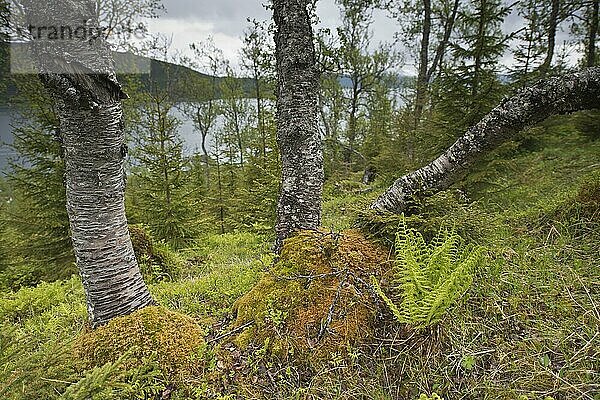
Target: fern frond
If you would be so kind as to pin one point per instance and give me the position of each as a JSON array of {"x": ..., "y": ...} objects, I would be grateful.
[{"x": 428, "y": 278}]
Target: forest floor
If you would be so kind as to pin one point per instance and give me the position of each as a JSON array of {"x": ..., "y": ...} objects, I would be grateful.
[{"x": 527, "y": 328}]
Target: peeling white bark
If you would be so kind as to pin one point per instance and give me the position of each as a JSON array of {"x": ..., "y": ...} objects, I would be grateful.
[
  {"x": 298, "y": 137},
  {"x": 559, "y": 95},
  {"x": 91, "y": 129}
]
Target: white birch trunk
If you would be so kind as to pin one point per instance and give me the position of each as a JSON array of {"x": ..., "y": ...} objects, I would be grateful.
[{"x": 88, "y": 98}]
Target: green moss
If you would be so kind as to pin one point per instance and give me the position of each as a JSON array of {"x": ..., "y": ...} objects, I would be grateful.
[
  {"x": 586, "y": 203},
  {"x": 227, "y": 268},
  {"x": 174, "y": 340},
  {"x": 157, "y": 261},
  {"x": 314, "y": 300},
  {"x": 30, "y": 302}
]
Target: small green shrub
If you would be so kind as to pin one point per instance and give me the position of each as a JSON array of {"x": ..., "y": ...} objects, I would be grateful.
[
  {"x": 428, "y": 278},
  {"x": 112, "y": 381}
]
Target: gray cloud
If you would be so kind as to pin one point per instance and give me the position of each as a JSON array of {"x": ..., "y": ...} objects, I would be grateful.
[
  {"x": 227, "y": 16},
  {"x": 189, "y": 21}
]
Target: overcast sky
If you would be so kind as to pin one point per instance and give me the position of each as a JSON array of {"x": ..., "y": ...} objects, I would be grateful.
[{"x": 188, "y": 21}]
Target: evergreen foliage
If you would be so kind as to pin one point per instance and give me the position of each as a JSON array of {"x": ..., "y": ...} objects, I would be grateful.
[
  {"x": 530, "y": 48},
  {"x": 160, "y": 193},
  {"x": 469, "y": 86},
  {"x": 203, "y": 223},
  {"x": 37, "y": 226}
]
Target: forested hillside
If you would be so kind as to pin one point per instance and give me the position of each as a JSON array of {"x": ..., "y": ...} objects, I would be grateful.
[{"x": 411, "y": 219}]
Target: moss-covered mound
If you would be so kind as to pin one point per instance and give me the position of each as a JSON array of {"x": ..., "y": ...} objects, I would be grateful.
[
  {"x": 174, "y": 341},
  {"x": 157, "y": 261},
  {"x": 316, "y": 298}
]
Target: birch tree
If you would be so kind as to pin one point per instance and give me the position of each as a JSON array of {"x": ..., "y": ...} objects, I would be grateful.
[
  {"x": 81, "y": 80},
  {"x": 363, "y": 67},
  {"x": 558, "y": 95},
  {"x": 42, "y": 248},
  {"x": 298, "y": 138},
  {"x": 433, "y": 24},
  {"x": 257, "y": 60}
]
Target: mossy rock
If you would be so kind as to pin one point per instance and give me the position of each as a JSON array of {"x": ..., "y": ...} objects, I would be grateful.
[
  {"x": 315, "y": 301},
  {"x": 157, "y": 261},
  {"x": 143, "y": 245},
  {"x": 173, "y": 340}
]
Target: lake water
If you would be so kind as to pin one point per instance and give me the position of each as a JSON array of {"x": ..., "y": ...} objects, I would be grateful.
[
  {"x": 192, "y": 139},
  {"x": 5, "y": 137}
]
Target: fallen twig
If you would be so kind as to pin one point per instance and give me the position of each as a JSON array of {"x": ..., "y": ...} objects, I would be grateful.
[{"x": 232, "y": 332}]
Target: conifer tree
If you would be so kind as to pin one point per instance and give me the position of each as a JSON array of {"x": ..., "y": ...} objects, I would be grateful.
[
  {"x": 380, "y": 138},
  {"x": 530, "y": 47},
  {"x": 162, "y": 197},
  {"x": 218, "y": 199},
  {"x": 332, "y": 112},
  {"x": 431, "y": 24},
  {"x": 362, "y": 66},
  {"x": 258, "y": 61},
  {"x": 470, "y": 86},
  {"x": 38, "y": 220},
  {"x": 5, "y": 200},
  {"x": 237, "y": 118},
  {"x": 332, "y": 102},
  {"x": 258, "y": 184},
  {"x": 584, "y": 28},
  {"x": 204, "y": 112}
]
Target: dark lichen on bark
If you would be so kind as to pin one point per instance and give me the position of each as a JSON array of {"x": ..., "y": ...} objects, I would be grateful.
[
  {"x": 298, "y": 137},
  {"x": 554, "y": 96}
]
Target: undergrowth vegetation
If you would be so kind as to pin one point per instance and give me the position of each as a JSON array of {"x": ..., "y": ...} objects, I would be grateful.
[
  {"x": 522, "y": 323},
  {"x": 428, "y": 278}
]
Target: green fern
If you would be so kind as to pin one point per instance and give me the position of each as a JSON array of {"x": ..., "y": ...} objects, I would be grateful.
[{"x": 428, "y": 278}]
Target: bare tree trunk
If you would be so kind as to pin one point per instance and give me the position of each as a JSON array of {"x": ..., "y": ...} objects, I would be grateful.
[
  {"x": 422, "y": 79},
  {"x": 298, "y": 137},
  {"x": 560, "y": 95},
  {"x": 552, "y": 27},
  {"x": 259, "y": 116},
  {"x": 349, "y": 153},
  {"x": 593, "y": 33},
  {"x": 91, "y": 127},
  {"x": 441, "y": 48},
  {"x": 204, "y": 131}
]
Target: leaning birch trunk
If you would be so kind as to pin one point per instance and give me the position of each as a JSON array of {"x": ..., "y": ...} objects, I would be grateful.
[
  {"x": 559, "y": 95},
  {"x": 298, "y": 138},
  {"x": 81, "y": 79}
]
